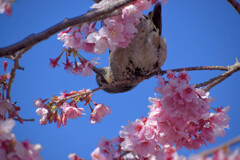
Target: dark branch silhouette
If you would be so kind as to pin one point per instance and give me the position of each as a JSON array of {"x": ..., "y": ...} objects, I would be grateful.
[{"x": 235, "y": 4}]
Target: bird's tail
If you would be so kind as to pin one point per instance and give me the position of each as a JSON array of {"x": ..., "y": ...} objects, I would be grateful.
[{"x": 156, "y": 17}]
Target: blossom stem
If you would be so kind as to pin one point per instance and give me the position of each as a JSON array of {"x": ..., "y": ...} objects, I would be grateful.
[
  {"x": 91, "y": 16},
  {"x": 90, "y": 107}
]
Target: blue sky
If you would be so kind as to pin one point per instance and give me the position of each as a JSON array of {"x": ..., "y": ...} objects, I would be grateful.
[{"x": 199, "y": 32}]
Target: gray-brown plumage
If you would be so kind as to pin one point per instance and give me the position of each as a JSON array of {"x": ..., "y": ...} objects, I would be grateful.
[{"x": 144, "y": 55}]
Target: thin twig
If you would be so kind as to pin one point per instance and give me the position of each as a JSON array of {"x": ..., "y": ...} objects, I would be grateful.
[
  {"x": 207, "y": 82},
  {"x": 94, "y": 15},
  {"x": 235, "y": 4},
  {"x": 198, "y": 68},
  {"x": 27, "y": 120},
  {"x": 13, "y": 71},
  {"x": 234, "y": 68}
]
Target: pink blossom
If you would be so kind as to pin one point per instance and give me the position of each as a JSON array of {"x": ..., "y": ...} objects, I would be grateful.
[
  {"x": 54, "y": 62},
  {"x": 87, "y": 66},
  {"x": 59, "y": 121},
  {"x": 25, "y": 150},
  {"x": 106, "y": 147},
  {"x": 77, "y": 68},
  {"x": 5, "y": 64},
  {"x": 179, "y": 99},
  {"x": 137, "y": 139},
  {"x": 5, "y": 6},
  {"x": 143, "y": 5},
  {"x": 131, "y": 14},
  {"x": 235, "y": 155},
  {"x": 6, "y": 129},
  {"x": 72, "y": 38},
  {"x": 113, "y": 33},
  {"x": 39, "y": 103},
  {"x": 181, "y": 116},
  {"x": 118, "y": 31},
  {"x": 73, "y": 156},
  {"x": 5, "y": 106},
  {"x": 99, "y": 112},
  {"x": 68, "y": 65},
  {"x": 88, "y": 47},
  {"x": 71, "y": 111},
  {"x": 87, "y": 28},
  {"x": 102, "y": 4},
  {"x": 44, "y": 115},
  {"x": 11, "y": 149},
  {"x": 101, "y": 43},
  {"x": 97, "y": 155}
]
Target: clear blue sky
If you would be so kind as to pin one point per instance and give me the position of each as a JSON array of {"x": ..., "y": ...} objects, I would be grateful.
[{"x": 199, "y": 32}]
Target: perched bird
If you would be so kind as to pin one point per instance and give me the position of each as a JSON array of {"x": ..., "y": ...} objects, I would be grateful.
[{"x": 145, "y": 54}]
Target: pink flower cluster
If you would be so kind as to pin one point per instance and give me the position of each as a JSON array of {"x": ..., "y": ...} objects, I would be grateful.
[
  {"x": 58, "y": 110},
  {"x": 11, "y": 149},
  {"x": 5, "y": 6},
  {"x": 116, "y": 32},
  {"x": 179, "y": 118}
]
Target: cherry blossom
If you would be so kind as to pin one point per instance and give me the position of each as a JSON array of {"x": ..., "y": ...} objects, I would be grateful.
[
  {"x": 5, "y": 6},
  {"x": 44, "y": 113},
  {"x": 10, "y": 148},
  {"x": 73, "y": 156},
  {"x": 5, "y": 106},
  {"x": 97, "y": 155},
  {"x": 54, "y": 62},
  {"x": 181, "y": 117},
  {"x": 100, "y": 111},
  {"x": 117, "y": 31},
  {"x": 71, "y": 111}
]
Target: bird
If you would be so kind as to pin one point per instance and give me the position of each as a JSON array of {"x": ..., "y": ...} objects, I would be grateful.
[{"x": 145, "y": 54}]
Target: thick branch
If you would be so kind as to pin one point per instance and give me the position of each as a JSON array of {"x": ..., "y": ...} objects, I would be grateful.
[
  {"x": 91, "y": 16},
  {"x": 235, "y": 4}
]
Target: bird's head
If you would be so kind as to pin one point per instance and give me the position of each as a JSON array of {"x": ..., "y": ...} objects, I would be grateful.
[{"x": 104, "y": 77}]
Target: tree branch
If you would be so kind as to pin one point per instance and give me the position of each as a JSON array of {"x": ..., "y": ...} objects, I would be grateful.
[
  {"x": 235, "y": 4},
  {"x": 221, "y": 68},
  {"x": 13, "y": 71},
  {"x": 94, "y": 15},
  {"x": 223, "y": 146},
  {"x": 211, "y": 83},
  {"x": 234, "y": 68},
  {"x": 27, "y": 120}
]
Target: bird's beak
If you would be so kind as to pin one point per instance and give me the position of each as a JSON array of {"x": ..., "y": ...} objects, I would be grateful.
[{"x": 96, "y": 70}]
